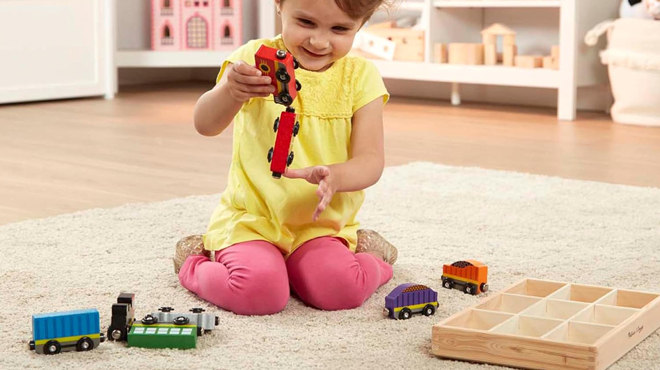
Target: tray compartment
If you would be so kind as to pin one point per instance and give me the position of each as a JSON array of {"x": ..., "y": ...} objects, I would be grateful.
[
  {"x": 605, "y": 315},
  {"x": 535, "y": 288},
  {"x": 581, "y": 293},
  {"x": 628, "y": 298},
  {"x": 478, "y": 320},
  {"x": 511, "y": 303},
  {"x": 578, "y": 332},
  {"x": 527, "y": 326},
  {"x": 555, "y": 309}
]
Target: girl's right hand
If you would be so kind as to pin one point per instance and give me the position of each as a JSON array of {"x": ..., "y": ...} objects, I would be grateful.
[{"x": 246, "y": 82}]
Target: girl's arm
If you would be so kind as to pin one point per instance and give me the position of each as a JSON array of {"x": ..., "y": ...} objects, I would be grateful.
[
  {"x": 216, "y": 109},
  {"x": 363, "y": 169},
  {"x": 367, "y": 153}
]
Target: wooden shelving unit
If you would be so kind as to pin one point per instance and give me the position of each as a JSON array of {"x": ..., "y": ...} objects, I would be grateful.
[{"x": 539, "y": 23}]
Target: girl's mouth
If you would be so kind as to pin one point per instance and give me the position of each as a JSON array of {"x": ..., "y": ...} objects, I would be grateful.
[{"x": 314, "y": 54}]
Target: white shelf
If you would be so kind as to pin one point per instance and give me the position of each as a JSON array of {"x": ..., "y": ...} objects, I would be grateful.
[
  {"x": 487, "y": 75},
  {"x": 149, "y": 58},
  {"x": 497, "y": 3}
]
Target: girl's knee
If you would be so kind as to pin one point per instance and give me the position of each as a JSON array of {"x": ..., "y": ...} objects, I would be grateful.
[
  {"x": 342, "y": 292},
  {"x": 263, "y": 292}
]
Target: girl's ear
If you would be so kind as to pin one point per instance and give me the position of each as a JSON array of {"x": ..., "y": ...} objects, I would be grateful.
[{"x": 278, "y": 5}]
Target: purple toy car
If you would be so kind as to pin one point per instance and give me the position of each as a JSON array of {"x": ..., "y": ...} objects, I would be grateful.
[{"x": 410, "y": 298}]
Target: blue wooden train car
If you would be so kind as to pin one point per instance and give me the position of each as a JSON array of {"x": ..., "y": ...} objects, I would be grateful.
[
  {"x": 55, "y": 332},
  {"x": 410, "y": 298}
]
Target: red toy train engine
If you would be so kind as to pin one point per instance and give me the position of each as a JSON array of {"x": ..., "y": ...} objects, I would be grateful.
[{"x": 279, "y": 65}]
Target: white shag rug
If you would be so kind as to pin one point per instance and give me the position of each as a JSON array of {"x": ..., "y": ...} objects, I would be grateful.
[{"x": 520, "y": 225}]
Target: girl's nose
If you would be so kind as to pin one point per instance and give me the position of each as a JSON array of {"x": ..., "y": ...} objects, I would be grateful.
[{"x": 319, "y": 42}]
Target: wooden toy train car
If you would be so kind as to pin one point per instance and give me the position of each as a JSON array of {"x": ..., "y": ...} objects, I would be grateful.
[
  {"x": 469, "y": 276},
  {"x": 280, "y": 155},
  {"x": 56, "y": 332},
  {"x": 280, "y": 66},
  {"x": 410, "y": 298},
  {"x": 163, "y": 329},
  {"x": 123, "y": 317}
]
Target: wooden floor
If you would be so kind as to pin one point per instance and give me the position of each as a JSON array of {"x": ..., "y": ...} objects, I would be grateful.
[{"x": 66, "y": 156}]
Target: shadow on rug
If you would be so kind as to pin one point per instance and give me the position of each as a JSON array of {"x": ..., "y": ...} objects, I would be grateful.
[{"x": 520, "y": 225}]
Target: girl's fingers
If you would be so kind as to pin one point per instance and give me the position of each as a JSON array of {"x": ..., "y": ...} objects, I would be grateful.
[
  {"x": 246, "y": 69},
  {"x": 294, "y": 174},
  {"x": 252, "y": 89},
  {"x": 250, "y": 79}
]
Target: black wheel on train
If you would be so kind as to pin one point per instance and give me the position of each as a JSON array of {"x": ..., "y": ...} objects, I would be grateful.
[
  {"x": 446, "y": 283},
  {"x": 276, "y": 125},
  {"x": 296, "y": 129},
  {"x": 298, "y": 85},
  {"x": 470, "y": 289},
  {"x": 84, "y": 344},
  {"x": 484, "y": 287},
  {"x": 290, "y": 159},
  {"x": 270, "y": 155},
  {"x": 282, "y": 75},
  {"x": 181, "y": 320},
  {"x": 405, "y": 314},
  {"x": 296, "y": 64},
  {"x": 149, "y": 320},
  {"x": 286, "y": 98},
  {"x": 52, "y": 347},
  {"x": 428, "y": 310},
  {"x": 280, "y": 54}
]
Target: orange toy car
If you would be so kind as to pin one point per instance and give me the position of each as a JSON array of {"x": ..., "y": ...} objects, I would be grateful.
[
  {"x": 469, "y": 276},
  {"x": 279, "y": 65}
]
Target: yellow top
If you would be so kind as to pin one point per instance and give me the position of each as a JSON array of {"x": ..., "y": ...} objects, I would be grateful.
[{"x": 255, "y": 206}]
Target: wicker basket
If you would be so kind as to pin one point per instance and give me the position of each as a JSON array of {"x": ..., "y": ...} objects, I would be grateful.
[{"x": 633, "y": 59}]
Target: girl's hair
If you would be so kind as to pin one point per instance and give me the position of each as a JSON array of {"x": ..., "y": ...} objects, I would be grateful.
[{"x": 360, "y": 9}]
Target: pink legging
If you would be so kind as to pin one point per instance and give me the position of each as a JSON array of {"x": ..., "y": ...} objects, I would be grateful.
[{"x": 252, "y": 278}]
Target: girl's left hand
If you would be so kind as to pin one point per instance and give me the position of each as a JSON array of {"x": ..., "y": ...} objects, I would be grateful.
[{"x": 321, "y": 175}]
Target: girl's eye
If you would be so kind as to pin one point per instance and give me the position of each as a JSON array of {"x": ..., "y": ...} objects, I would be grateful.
[
  {"x": 306, "y": 22},
  {"x": 340, "y": 29}
]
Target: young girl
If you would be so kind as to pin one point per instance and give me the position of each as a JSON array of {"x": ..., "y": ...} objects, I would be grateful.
[{"x": 298, "y": 232}]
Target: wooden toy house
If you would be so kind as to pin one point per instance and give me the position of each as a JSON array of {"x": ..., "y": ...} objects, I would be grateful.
[
  {"x": 490, "y": 35},
  {"x": 196, "y": 24}
]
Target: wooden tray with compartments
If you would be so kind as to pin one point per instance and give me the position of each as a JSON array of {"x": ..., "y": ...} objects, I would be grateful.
[{"x": 540, "y": 324}]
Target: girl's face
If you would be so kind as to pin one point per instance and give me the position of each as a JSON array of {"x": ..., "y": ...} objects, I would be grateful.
[{"x": 316, "y": 32}]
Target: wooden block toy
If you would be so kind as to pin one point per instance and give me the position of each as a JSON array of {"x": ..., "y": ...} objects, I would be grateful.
[
  {"x": 549, "y": 62},
  {"x": 440, "y": 53},
  {"x": 542, "y": 324},
  {"x": 375, "y": 45},
  {"x": 469, "y": 276},
  {"x": 509, "y": 55},
  {"x": 409, "y": 42},
  {"x": 529, "y": 61},
  {"x": 555, "y": 55},
  {"x": 410, "y": 298},
  {"x": 490, "y": 34},
  {"x": 280, "y": 156},
  {"x": 466, "y": 53},
  {"x": 490, "y": 54},
  {"x": 55, "y": 332},
  {"x": 555, "y": 52}
]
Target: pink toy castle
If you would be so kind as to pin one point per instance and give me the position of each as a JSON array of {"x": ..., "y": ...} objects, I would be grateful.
[{"x": 196, "y": 24}]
